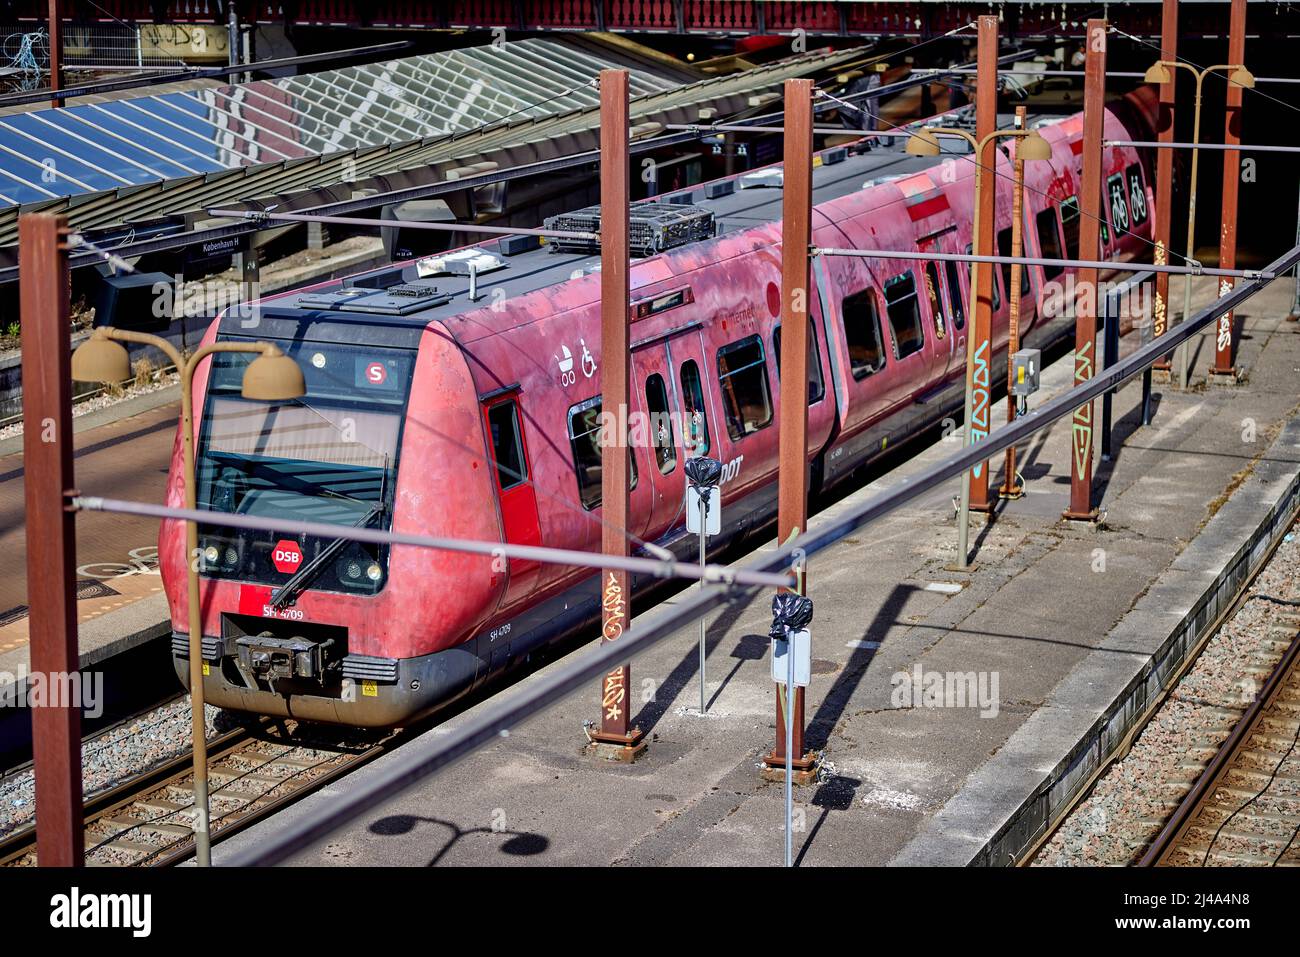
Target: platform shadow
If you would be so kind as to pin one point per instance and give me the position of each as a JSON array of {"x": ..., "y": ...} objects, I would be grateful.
[
  {"x": 688, "y": 667},
  {"x": 515, "y": 843},
  {"x": 832, "y": 707},
  {"x": 834, "y": 794}
]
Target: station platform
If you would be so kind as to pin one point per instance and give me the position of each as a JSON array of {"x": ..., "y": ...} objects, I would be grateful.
[
  {"x": 120, "y": 598},
  {"x": 1068, "y": 631}
]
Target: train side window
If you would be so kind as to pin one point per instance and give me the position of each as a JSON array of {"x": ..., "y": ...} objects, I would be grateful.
[
  {"x": 937, "y": 311},
  {"x": 1004, "y": 249},
  {"x": 584, "y": 438},
  {"x": 746, "y": 396},
  {"x": 1049, "y": 239},
  {"x": 861, "y": 318},
  {"x": 697, "y": 420},
  {"x": 816, "y": 388},
  {"x": 1137, "y": 194},
  {"x": 507, "y": 445},
  {"x": 660, "y": 425},
  {"x": 1117, "y": 190},
  {"x": 1070, "y": 221},
  {"x": 954, "y": 295},
  {"x": 904, "y": 312},
  {"x": 997, "y": 294}
]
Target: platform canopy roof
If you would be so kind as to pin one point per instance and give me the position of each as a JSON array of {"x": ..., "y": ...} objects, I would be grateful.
[
  {"x": 115, "y": 163},
  {"x": 129, "y": 142}
]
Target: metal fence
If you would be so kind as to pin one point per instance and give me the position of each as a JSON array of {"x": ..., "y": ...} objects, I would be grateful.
[{"x": 98, "y": 47}]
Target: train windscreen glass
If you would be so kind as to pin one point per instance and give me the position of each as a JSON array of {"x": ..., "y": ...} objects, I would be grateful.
[{"x": 330, "y": 456}]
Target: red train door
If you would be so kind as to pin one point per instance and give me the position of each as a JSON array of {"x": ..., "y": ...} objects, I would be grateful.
[
  {"x": 515, "y": 492},
  {"x": 657, "y": 435}
]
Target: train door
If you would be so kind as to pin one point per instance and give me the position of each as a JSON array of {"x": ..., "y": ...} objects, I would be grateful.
[
  {"x": 689, "y": 386},
  {"x": 1028, "y": 300},
  {"x": 515, "y": 491},
  {"x": 821, "y": 414},
  {"x": 954, "y": 294},
  {"x": 658, "y": 430},
  {"x": 945, "y": 335}
]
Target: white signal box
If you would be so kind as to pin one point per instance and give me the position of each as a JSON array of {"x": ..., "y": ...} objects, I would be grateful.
[
  {"x": 713, "y": 512},
  {"x": 802, "y": 641}
]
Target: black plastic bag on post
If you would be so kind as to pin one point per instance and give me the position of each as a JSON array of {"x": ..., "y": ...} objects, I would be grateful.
[
  {"x": 790, "y": 611},
  {"x": 702, "y": 472}
]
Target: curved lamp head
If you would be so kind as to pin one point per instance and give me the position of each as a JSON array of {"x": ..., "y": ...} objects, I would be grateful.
[
  {"x": 923, "y": 143},
  {"x": 100, "y": 359},
  {"x": 1243, "y": 77},
  {"x": 273, "y": 377},
  {"x": 1158, "y": 73},
  {"x": 1033, "y": 147}
]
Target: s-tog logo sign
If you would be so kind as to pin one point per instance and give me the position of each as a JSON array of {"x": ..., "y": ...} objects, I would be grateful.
[
  {"x": 286, "y": 556},
  {"x": 376, "y": 374}
]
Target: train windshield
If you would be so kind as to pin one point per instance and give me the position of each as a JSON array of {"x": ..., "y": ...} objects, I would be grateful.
[{"x": 330, "y": 456}]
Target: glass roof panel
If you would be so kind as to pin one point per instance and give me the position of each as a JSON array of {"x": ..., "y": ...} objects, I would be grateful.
[{"x": 156, "y": 137}]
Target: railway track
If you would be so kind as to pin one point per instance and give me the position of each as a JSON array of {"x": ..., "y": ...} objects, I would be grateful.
[
  {"x": 254, "y": 771},
  {"x": 1214, "y": 764},
  {"x": 1244, "y": 810}
]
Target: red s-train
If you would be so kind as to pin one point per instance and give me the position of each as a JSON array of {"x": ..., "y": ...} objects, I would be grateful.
[{"x": 433, "y": 409}]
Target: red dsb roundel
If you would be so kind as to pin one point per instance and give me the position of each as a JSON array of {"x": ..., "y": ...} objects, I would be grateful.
[
  {"x": 376, "y": 374},
  {"x": 287, "y": 556}
]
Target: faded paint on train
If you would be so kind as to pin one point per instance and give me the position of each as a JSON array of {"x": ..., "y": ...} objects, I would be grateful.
[{"x": 538, "y": 351}]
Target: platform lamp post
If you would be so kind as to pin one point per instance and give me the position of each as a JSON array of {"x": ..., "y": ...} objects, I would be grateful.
[
  {"x": 271, "y": 377},
  {"x": 1032, "y": 146},
  {"x": 1161, "y": 73}
]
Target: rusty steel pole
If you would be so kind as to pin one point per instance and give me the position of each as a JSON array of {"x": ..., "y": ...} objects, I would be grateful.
[
  {"x": 1165, "y": 171},
  {"x": 1224, "y": 344},
  {"x": 1010, "y": 489},
  {"x": 615, "y": 361},
  {"x": 51, "y": 533},
  {"x": 979, "y": 373},
  {"x": 1085, "y": 328},
  {"x": 56, "y": 52},
  {"x": 792, "y": 494}
]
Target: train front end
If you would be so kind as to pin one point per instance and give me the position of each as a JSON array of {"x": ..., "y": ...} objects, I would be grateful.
[{"x": 319, "y": 627}]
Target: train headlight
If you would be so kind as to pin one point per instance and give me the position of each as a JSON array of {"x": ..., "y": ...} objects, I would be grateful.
[
  {"x": 354, "y": 569},
  {"x": 232, "y": 557},
  {"x": 211, "y": 554},
  {"x": 374, "y": 572}
]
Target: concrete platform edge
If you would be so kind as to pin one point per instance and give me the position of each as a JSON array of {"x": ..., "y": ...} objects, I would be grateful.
[{"x": 1007, "y": 804}]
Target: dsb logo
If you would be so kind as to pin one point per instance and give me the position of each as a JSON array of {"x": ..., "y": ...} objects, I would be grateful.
[{"x": 287, "y": 556}]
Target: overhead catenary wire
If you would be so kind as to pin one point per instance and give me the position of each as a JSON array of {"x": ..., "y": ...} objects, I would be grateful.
[
  {"x": 1197, "y": 66},
  {"x": 654, "y": 567},
  {"x": 905, "y": 131},
  {"x": 1196, "y": 269}
]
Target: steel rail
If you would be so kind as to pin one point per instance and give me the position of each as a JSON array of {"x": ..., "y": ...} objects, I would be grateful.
[
  {"x": 496, "y": 722},
  {"x": 1171, "y": 835},
  {"x": 656, "y": 567},
  {"x": 1108, "y": 264}
]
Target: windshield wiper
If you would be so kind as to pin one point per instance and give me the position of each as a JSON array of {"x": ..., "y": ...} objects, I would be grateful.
[{"x": 305, "y": 575}]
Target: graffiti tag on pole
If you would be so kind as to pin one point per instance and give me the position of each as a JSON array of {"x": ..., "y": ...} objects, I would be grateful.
[{"x": 1081, "y": 427}]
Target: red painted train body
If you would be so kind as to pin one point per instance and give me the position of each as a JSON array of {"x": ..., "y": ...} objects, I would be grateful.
[{"x": 474, "y": 419}]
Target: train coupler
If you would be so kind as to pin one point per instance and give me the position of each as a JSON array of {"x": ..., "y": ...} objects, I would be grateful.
[{"x": 266, "y": 658}]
